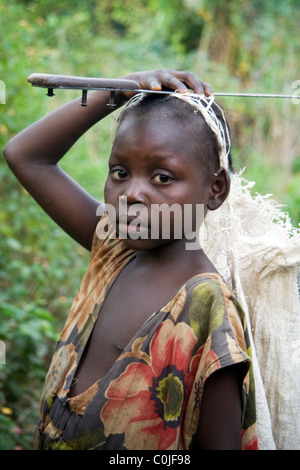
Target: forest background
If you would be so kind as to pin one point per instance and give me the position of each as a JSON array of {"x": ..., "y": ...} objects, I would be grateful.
[{"x": 235, "y": 45}]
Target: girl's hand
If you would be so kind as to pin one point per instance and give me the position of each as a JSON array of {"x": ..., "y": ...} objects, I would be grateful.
[{"x": 168, "y": 79}]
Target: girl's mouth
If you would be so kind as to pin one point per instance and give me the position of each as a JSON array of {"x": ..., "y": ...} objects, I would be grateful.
[{"x": 132, "y": 228}]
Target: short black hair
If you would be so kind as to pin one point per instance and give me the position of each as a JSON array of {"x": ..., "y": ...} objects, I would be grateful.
[{"x": 176, "y": 109}]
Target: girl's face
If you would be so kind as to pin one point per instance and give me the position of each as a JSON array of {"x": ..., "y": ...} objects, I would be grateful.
[{"x": 154, "y": 162}]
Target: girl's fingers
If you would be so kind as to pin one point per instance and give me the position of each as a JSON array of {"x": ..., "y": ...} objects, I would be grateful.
[
  {"x": 180, "y": 81},
  {"x": 191, "y": 82},
  {"x": 172, "y": 80}
]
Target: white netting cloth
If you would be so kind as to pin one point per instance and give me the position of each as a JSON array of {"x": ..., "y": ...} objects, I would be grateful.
[{"x": 254, "y": 247}]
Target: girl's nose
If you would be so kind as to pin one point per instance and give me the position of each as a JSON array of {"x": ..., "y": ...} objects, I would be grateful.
[{"x": 135, "y": 192}]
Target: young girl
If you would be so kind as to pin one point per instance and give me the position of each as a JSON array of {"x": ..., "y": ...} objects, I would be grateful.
[{"x": 155, "y": 352}]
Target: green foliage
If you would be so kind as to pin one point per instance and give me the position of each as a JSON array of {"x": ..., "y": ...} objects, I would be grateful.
[{"x": 234, "y": 45}]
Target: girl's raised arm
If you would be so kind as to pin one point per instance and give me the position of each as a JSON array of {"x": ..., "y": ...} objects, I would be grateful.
[
  {"x": 34, "y": 153},
  {"x": 33, "y": 156}
]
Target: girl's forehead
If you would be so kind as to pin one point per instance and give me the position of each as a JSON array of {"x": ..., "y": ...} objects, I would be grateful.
[
  {"x": 161, "y": 119},
  {"x": 158, "y": 141},
  {"x": 197, "y": 122},
  {"x": 158, "y": 129}
]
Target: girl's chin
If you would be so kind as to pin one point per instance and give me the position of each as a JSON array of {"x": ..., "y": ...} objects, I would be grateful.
[{"x": 133, "y": 232}]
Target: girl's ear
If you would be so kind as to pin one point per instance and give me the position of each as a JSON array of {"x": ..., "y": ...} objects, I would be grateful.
[{"x": 220, "y": 187}]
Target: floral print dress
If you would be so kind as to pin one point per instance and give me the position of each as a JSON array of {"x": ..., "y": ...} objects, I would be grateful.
[{"x": 151, "y": 396}]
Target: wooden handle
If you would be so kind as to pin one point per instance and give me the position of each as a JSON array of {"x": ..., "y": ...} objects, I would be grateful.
[{"x": 46, "y": 80}]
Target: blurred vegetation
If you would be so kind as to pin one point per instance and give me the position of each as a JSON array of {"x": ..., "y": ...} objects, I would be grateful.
[{"x": 237, "y": 45}]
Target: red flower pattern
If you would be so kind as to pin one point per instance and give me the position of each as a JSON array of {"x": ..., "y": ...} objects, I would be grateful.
[{"x": 148, "y": 399}]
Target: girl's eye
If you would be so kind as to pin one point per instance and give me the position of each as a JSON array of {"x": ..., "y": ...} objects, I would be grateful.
[
  {"x": 118, "y": 174},
  {"x": 161, "y": 178}
]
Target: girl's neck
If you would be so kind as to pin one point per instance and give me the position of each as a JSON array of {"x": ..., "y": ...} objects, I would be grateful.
[{"x": 174, "y": 256}]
